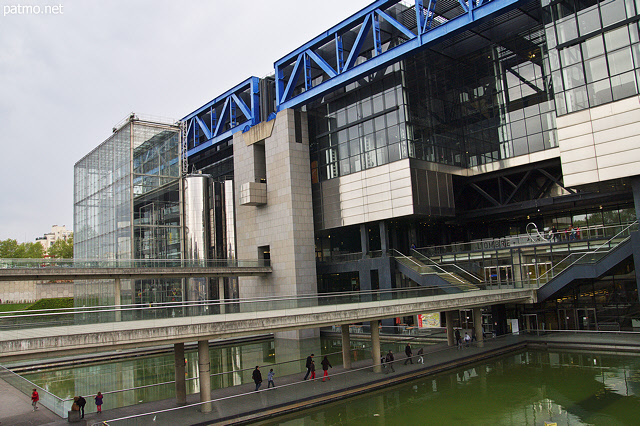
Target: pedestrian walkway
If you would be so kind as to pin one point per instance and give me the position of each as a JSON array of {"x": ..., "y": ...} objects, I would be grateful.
[
  {"x": 291, "y": 392},
  {"x": 242, "y": 403}
]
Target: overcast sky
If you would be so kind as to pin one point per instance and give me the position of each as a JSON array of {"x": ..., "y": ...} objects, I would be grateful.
[{"x": 66, "y": 78}]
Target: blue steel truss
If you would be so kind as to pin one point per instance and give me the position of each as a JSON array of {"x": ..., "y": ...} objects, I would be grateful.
[
  {"x": 220, "y": 118},
  {"x": 342, "y": 71}
]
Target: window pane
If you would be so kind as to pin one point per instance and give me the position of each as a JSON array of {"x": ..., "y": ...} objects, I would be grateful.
[
  {"x": 623, "y": 85},
  {"x": 534, "y": 125},
  {"x": 567, "y": 29},
  {"x": 593, "y": 47},
  {"x": 589, "y": 20},
  {"x": 570, "y": 55},
  {"x": 596, "y": 69},
  {"x": 536, "y": 142},
  {"x": 616, "y": 39},
  {"x": 573, "y": 76},
  {"x": 620, "y": 61},
  {"x": 599, "y": 93},
  {"x": 576, "y": 99},
  {"x": 612, "y": 11}
]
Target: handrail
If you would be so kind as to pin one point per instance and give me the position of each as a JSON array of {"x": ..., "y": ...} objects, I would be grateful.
[
  {"x": 436, "y": 265},
  {"x": 608, "y": 242},
  {"x": 453, "y": 264}
]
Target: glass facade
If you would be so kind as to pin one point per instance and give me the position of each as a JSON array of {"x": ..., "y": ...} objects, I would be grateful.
[
  {"x": 594, "y": 51},
  {"x": 126, "y": 206},
  {"x": 361, "y": 127}
]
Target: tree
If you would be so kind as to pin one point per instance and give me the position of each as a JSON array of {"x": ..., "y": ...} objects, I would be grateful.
[
  {"x": 12, "y": 250},
  {"x": 62, "y": 249}
]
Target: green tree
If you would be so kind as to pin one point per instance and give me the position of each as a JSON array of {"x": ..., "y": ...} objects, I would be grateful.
[
  {"x": 12, "y": 250},
  {"x": 62, "y": 249}
]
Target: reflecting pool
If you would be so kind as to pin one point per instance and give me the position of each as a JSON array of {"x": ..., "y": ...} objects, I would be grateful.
[{"x": 526, "y": 388}]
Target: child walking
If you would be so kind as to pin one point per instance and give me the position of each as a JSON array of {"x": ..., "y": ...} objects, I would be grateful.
[
  {"x": 270, "y": 379},
  {"x": 99, "y": 402}
]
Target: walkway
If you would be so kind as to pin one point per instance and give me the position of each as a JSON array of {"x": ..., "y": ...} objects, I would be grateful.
[
  {"x": 255, "y": 317},
  {"x": 234, "y": 403}
]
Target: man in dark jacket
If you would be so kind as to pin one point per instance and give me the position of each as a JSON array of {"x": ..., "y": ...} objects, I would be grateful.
[
  {"x": 308, "y": 365},
  {"x": 257, "y": 377},
  {"x": 389, "y": 359},
  {"x": 81, "y": 403},
  {"x": 408, "y": 353}
]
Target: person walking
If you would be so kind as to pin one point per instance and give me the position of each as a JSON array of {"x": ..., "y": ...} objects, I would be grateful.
[
  {"x": 420, "y": 357},
  {"x": 257, "y": 377},
  {"x": 389, "y": 360},
  {"x": 308, "y": 365},
  {"x": 458, "y": 339},
  {"x": 98, "y": 400},
  {"x": 408, "y": 353},
  {"x": 81, "y": 403},
  {"x": 325, "y": 367},
  {"x": 313, "y": 370},
  {"x": 270, "y": 379},
  {"x": 467, "y": 339},
  {"x": 34, "y": 399}
]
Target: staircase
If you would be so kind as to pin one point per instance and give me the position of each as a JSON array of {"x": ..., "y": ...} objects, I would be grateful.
[{"x": 427, "y": 273}]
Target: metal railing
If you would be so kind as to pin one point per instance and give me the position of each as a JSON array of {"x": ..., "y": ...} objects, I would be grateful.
[
  {"x": 590, "y": 256},
  {"x": 47, "y": 399},
  {"x": 131, "y": 263},
  {"x": 24, "y": 319}
]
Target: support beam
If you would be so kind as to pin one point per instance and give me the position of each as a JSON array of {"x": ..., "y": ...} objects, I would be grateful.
[
  {"x": 117, "y": 293},
  {"x": 204, "y": 371},
  {"x": 346, "y": 347},
  {"x": 449, "y": 320},
  {"x": 477, "y": 325},
  {"x": 375, "y": 345},
  {"x": 364, "y": 239},
  {"x": 181, "y": 383}
]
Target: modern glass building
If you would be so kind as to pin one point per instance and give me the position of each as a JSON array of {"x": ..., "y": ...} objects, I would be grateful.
[{"x": 455, "y": 145}]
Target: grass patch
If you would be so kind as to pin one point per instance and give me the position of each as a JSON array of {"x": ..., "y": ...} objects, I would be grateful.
[
  {"x": 9, "y": 307},
  {"x": 58, "y": 303}
]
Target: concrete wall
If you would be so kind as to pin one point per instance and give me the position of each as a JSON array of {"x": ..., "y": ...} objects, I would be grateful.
[
  {"x": 30, "y": 291},
  {"x": 285, "y": 222},
  {"x": 600, "y": 143}
]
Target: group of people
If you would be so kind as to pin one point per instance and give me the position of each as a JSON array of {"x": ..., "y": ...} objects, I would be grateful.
[
  {"x": 463, "y": 341},
  {"x": 311, "y": 372},
  {"x": 311, "y": 368},
  {"x": 570, "y": 233},
  {"x": 387, "y": 360},
  {"x": 78, "y": 402}
]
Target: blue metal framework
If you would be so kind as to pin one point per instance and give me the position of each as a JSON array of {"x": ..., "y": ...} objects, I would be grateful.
[
  {"x": 290, "y": 93},
  {"x": 220, "y": 118}
]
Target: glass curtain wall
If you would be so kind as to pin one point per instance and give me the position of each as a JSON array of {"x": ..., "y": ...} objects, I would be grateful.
[
  {"x": 594, "y": 51},
  {"x": 126, "y": 206}
]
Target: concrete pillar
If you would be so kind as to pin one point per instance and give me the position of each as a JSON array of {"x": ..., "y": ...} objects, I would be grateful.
[
  {"x": 117, "y": 293},
  {"x": 364, "y": 239},
  {"x": 204, "y": 371},
  {"x": 375, "y": 345},
  {"x": 384, "y": 238},
  {"x": 449, "y": 320},
  {"x": 346, "y": 347},
  {"x": 181, "y": 384},
  {"x": 477, "y": 325},
  {"x": 221, "y": 294}
]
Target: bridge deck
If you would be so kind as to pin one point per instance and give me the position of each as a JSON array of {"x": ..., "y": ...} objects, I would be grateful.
[{"x": 254, "y": 319}]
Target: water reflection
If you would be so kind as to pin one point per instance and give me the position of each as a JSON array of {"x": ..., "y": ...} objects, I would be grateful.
[
  {"x": 527, "y": 388},
  {"x": 150, "y": 377}
]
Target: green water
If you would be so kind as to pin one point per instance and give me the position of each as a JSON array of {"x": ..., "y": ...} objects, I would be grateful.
[{"x": 527, "y": 388}]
